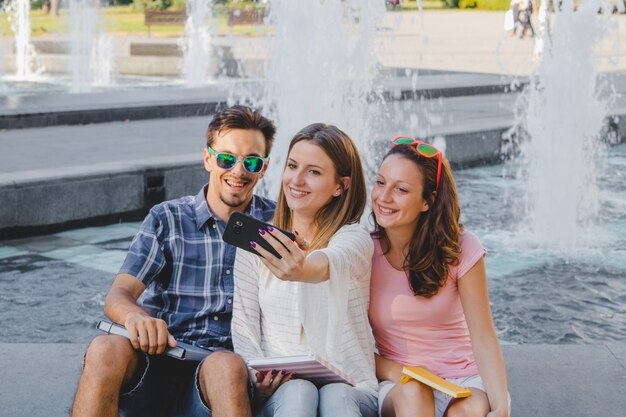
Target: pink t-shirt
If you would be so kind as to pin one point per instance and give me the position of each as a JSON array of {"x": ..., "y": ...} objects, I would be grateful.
[{"x": 419, "y": 331}]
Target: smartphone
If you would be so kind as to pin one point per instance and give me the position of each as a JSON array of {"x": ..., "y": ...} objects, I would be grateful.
[{"x": 241, "y": 229}]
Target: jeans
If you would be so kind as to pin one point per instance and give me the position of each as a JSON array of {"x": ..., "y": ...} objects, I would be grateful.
[{"x": 301, "y": 398}]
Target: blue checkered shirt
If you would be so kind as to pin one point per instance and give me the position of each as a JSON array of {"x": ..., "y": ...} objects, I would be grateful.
[{"x": 179, "y": 255}]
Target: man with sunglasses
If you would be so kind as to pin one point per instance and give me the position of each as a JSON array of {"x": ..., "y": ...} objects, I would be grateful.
[{"x": 177, "y": 284}]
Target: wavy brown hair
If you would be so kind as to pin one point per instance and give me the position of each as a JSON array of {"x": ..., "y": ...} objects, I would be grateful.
[
  {"x": 434, "y": 246},
  {"x": 348, "y": 207}
]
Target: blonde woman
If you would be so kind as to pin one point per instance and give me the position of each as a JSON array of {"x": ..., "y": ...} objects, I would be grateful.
[{"x": 313, "y": 300}]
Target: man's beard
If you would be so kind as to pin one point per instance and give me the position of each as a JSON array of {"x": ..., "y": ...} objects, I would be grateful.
[{"x": 233, "y": 202}]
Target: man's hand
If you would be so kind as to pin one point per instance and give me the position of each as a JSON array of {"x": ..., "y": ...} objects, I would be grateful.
[
  {"x": 148, "y": 334},
  {"x": 267, "y": 383}
]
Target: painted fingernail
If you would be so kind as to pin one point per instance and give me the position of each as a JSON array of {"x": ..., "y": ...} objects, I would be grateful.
[
  {"x": 253, "y": 244},
  {"x": 274, "y": 372},
  {"x": 261, "y": 231},
  {"x": 270, "y": 229},
  {"x": 296, "y": 232}
]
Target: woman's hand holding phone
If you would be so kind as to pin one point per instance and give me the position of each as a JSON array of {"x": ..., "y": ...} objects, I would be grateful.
[{"x": 293, "y": 264}]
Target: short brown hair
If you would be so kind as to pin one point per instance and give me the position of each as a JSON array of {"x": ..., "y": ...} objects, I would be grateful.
[{"x": 241, "y": 117}]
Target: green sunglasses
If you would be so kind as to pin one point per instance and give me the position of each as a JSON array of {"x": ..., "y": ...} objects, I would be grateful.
[
  {"x": 424, "y": 149},
  {"x": 225, "y": 160}
]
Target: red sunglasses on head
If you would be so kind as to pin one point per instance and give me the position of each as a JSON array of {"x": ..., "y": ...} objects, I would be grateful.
[{"x": 424, "y": 149}]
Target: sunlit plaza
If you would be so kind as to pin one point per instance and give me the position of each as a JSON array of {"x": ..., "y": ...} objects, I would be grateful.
[{"x": 104, "y": 105}]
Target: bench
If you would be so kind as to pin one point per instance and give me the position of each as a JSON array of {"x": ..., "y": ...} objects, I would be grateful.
[
  {"x": 246, "y": 16},
  {"x": 164, "y": 18}
]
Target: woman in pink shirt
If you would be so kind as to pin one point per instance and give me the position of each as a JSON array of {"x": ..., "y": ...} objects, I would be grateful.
[{"x": 429, "y": 302}]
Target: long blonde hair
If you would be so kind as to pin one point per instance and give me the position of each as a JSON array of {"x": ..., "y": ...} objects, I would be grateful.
[{"x": 348, "y": 207}]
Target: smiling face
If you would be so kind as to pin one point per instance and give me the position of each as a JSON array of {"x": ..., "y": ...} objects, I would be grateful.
[
  {"x": 309, "y": 180},
  {"x": 232, "y": 189},
  {"x": 397, "y": 199}
]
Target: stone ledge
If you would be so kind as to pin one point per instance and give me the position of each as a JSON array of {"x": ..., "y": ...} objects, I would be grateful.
[
  {"x": 544, "y": 380},
  {"x": 92, "y": 196}
]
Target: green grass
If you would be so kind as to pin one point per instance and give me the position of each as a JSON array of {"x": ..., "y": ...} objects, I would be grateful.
[
  {"x": 39, "y": 23},
  {"x": 426, "y": 5},
  {"x": 411, "y": 5},
  {"x": 121, "y": 20},
  {"x": 125, "y": 20},
  {"x": 493, "y": 4}
]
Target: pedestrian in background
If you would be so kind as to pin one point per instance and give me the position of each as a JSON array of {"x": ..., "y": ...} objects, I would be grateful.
[{"x": 525, "y": 12}]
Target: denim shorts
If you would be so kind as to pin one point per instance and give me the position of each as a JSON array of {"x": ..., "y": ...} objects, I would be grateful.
[{"x": 163, "y": 386}]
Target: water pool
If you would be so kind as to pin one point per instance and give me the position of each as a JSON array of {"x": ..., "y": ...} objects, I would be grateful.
[{"x": 53, "y": 286}]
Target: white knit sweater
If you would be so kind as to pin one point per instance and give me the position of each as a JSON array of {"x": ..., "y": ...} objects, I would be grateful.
[{"x": 282, "y": 318}]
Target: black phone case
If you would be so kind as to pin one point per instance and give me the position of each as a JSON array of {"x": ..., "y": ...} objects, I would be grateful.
[{"x": 241, "y": 229}]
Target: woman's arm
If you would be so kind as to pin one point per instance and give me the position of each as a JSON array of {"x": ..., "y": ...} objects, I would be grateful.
[
  {"x": 351, "y": 247},
  {"x": 475, "y": 300},
  {"x": 387, "y": 369}
]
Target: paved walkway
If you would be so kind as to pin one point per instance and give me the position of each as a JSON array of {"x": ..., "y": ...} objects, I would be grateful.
[
  {"x": 544, "y": 380},
  {"x": 474, "y": 41},
  {"x": 451, "y": 40}
]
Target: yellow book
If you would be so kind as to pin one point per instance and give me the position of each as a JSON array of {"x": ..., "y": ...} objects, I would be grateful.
[{"x": 432, "y": 380}]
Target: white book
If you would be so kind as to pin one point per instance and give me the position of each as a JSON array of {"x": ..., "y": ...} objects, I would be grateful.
[{"x": 310, "y": 367}]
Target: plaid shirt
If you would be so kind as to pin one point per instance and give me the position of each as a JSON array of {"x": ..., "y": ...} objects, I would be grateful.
[{"x": 179, "y": 255}]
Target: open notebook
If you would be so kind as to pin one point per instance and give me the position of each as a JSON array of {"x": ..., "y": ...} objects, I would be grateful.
[
  {"x": 434, "y": 381},
  {"x": 310, "y": 367}
]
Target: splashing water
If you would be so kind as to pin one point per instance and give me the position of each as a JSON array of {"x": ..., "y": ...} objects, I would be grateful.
[
  {"x": 26, "y": 66},
  {"x": 196, "y": 43},
  {"x": 319, "y": 68},
  {"x": 564, "y": 117},
  {"x": 101, "y": 65},
  {"x": 91, "y": 59}
]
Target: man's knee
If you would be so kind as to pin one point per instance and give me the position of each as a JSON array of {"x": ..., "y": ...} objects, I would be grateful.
[
  {"x": 223, "y": 367},
  {"x": 223, "y": 378},
  {"x": 110, "y": 354}
]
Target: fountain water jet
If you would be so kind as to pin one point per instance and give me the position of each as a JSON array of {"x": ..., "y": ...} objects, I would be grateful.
[
  {"x": 564, "y": 119},
  {"x": 319, "y": 68},
  {"x": 26, "y": 67},
  {"x": 91, "y": 59},
  {"x": 101, "y": 63},
  {"x": 197, "y": 43}
]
